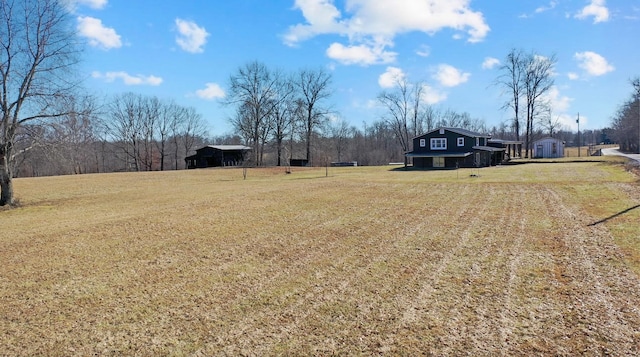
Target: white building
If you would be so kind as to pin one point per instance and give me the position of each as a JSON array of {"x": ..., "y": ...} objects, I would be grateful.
[{"x": 548, "y": 148}]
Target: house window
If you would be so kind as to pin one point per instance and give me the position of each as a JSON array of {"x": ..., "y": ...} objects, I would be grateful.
[
  {"x": 423, "y": 143},
  {"x": 438, "y": 162},
  {"x": 477, "y": 141},
  {"x": 439, "y": 144},
  {"x": 460, "y": 141}
]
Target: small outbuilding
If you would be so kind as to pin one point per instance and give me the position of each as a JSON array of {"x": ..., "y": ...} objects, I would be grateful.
[
  {"x": 548, "y": 148},
  {"x": 217, "y": 155}
]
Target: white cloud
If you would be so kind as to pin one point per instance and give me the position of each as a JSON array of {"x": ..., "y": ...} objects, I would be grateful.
[
  {"x": 322, "y": 18},
  {"x": 210, "y": 92},
  {"x": 390, "y": 78},
  {"x": 567, "y": 121},
  {"x": 98, "y": 34},
  {"x": 558, "y": 102},
  {"x": 191, "y": 37},
  {"x": 573, "y": 76},
  {"x": 361, "y": 54},
  {"x": 423, "y": 51},
  {"x": 551, "y": 6},
  {"x": 128, "y": 79},
  {"x": 597, "y": 9},
  {"x": 560, "y": 105},
  {"x": 450, "y": 76},
  {"x": 94, "y": 4},
  {"x": 72, "y": 5},
  {"x": 490, "y": 62},
  {"x": 379, "y": 22},
  {"x": 593, "y": 63},
  {"x": 432, "y": 96}
]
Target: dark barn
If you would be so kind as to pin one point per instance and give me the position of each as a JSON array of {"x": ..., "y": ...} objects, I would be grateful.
[{"x": 217, "y": 155}]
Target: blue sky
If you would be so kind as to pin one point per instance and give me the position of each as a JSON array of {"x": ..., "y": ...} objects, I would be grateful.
[{"x": 186, "y": 50}]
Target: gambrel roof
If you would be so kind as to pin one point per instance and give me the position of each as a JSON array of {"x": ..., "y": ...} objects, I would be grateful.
[
  {"x": 464, "y": 132},
  {"x": 228, "y": 147}
]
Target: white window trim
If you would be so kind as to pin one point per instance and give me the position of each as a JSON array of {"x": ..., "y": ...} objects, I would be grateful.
[
  {"x": 423, "y": 143},
  {"x": 439, "y": 141},
  {"x": 461, "y": 141}
]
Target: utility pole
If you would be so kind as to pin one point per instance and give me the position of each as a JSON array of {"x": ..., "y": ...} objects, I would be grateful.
[{"x": 578, "y": 121}]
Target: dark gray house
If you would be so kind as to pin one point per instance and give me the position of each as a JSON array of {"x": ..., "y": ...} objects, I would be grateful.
[
  {"x": 217, "y": 155},
  {"x": 452, "y": 148}
]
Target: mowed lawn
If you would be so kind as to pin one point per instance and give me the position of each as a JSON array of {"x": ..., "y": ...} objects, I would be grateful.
[{"x": 525, "y": 259}]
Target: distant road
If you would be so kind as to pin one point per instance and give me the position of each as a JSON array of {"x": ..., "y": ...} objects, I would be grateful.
[{"x": 614, "y": 152}]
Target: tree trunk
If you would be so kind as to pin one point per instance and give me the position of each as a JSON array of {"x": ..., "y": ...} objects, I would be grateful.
[
  {"x": 309, "y": 130},
  {"x": 6, "y": 184},
  {"x": 309, "y": 148},
  {"x": 176, "y": 153},
  {"x": 162, "y": 155},
  {"x": 279, "y": 149}
]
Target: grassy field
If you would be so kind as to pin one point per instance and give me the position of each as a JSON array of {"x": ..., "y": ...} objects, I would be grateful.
[{"x": 515, "y": 260}]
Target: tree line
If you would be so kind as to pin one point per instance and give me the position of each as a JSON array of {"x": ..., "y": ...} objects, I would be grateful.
[
  {"x": 625, "y": 126},
  {"x": 129, "y": 132},
  {"x": 49, "y": 127}
]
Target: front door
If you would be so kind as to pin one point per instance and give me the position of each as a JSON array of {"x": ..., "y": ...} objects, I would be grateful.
[{"x": 438, "y": 162}]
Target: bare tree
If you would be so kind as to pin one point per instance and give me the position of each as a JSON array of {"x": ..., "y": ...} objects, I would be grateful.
[
  {"x": 550, "y": 123},
  {"x": 626, "y": 122},
  {"x": 179, "y": 118},
  {"x": 339, "y": 131},
  {"x": 526, "y": 77},
  {"x": 243, "y": 123},
  {"x": 313, "y": 87},
  {"x": 166, "y": 117},
  {"x": 73, "y": 135},
  {"x": 430, "y": 118},
  {"x": 398, "y": 106},
  {"x": 538, "y": 80},
  {"x": 406, "y": 112},
  {"x": 192, "y": 129},
  {"x": 253, "y": 89},
  {"x": 126, "y": 113},
  {"x": 151, "y": 111},
  {"x": 283, "y": 113},
  {"x": 511, "y": 81},
  {"x": 453, "y": 119},
  {"x": 636, "y": 86},
  {"x": 38, "y": 51}
]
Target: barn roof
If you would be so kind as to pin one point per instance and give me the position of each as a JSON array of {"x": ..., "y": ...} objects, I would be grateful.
[
  {"x": 548, "y": 138},
  {"x": 229, "y": 147},
  {"x": 488, "y": 148},
  {"x": 504, "y": 142},
  {"x": 460, "y": 131}
]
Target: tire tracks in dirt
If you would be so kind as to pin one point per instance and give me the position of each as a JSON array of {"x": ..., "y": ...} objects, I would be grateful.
[
  {"x": 319, "y": 289},
  {"x": 514, "y": 259},
  {"x": 604, "y": 294},
  {"x": 420, "y": 311}
]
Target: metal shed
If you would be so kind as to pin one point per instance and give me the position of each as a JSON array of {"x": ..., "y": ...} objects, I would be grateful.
[{"x": 548, "y": 148}]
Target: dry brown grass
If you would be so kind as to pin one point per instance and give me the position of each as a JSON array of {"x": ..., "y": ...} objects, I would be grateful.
[
  {"x": 365, "y": 261},
  {"x": 583, "y": 151}
]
